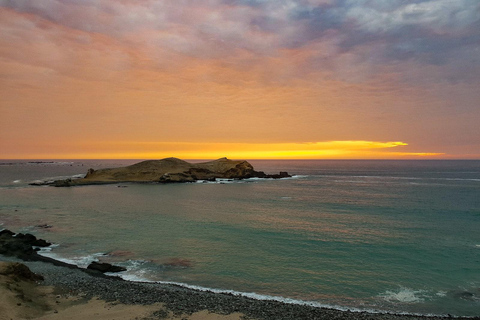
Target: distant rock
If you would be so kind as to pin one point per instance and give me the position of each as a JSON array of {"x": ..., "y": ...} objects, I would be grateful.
[
  {"x": 170, "y": 170},
  {"x": 44, "y": 226}
]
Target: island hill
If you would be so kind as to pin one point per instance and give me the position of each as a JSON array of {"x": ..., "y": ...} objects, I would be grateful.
[{"x": 170, "y": 170}]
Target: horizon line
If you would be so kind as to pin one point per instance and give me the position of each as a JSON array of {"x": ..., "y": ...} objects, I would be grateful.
[{"x": 249, "y": 159}]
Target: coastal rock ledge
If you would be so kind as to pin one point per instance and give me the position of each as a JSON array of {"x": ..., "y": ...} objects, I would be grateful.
[{"x": 170, "y": 170}]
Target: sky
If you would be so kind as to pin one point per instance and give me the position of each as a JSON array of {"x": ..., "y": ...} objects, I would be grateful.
[{"x": 251, "y": 79}]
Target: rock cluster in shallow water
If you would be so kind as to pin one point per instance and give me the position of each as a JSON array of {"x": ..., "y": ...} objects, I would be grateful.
[{"x": 20, "y": 245}]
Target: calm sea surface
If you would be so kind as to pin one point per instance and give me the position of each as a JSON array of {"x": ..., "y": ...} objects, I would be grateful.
[{"x": 371, "y": 235}]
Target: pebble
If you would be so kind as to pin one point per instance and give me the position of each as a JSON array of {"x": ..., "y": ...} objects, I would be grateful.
[{"x": 183, "y": 301}]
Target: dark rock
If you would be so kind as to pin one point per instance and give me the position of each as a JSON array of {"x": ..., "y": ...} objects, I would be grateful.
[
  {"x": 14, "y": 246},
  {"x": 39, "y": 183},
  {"x": 6, "y": 233},
  {"x": 27, "y": 237},
  {"x": 41, "y": 243},
  {"x": 242, "y": 170},
  {"x": 105, "y": 267},
  {"x": 63, "y": 183},
  {"x": 259, "y": 174},
  {"x": 43, "y": 226},
  {"x": 19, "y": 245},
  {"x": 282, "y": 174},
  {"x": 32, "y": 240},
  {"x": 90, "y": 172}
]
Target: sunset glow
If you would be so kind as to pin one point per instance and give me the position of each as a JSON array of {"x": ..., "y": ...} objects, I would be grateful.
[
  {"x": 317, "y": 150},
  {"x": 243, "y": 79}
]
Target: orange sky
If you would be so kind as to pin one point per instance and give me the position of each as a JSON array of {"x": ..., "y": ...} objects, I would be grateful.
[{"x": 126, "y": 79}]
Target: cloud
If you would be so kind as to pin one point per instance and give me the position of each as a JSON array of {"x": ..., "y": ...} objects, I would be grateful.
[
  {"x": 232, "y": 71},
  {"x": 363, "y": 36}
]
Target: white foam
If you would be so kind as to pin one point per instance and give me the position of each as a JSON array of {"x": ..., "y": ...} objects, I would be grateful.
[
  {"x": 51, "y": 180},
  {"x": 441, "y": 294},
  {"x": 79, "y": 261},
  {"x": 46, "y": 249},
  {"x": 136, "y": 273},
  {"x": 17, "y": 181},
  {"x": 405, "y": 295},
  {"x": 131, "y": 277},
  {"x": 297, "y": 176},
  {"x": 138, "y": 278},
  {"x": 254, "y": 179}
]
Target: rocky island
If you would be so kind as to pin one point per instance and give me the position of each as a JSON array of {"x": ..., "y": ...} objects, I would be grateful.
[{"x": 170, "y": 170}]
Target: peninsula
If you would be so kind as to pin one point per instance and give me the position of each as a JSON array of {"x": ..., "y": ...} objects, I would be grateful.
[{"x": 169, "y": 170}]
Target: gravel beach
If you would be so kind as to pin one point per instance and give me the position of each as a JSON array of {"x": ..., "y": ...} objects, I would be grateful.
[{"x": 183, "y": 302}]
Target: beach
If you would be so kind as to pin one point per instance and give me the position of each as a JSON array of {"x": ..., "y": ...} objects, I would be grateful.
[{"x": 70, "y": 293}]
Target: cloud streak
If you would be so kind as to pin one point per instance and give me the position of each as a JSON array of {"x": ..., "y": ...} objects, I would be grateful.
[{"x": 193, "y": 150}]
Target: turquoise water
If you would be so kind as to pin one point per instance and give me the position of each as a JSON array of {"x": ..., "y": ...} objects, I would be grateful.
[{"x": 397, "y": 236}]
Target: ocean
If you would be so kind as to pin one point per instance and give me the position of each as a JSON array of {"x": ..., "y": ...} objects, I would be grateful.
[{"x": 374, "y": 235}]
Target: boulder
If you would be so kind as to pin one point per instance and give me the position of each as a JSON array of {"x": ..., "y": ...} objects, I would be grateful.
[
  {"x": 30, "y": 239},
  {"x": 281, "y": 175},
  {"x": 19, "y": 245},
  {"x": 105, "y": 267}
]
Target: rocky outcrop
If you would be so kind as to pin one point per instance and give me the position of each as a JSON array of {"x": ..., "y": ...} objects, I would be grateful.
[
  {"x": 20, "y": 245},
  {"x": 25, "y": 247},
  {"x": 104, "y": 267},
  {"x": 171, "y": 170}
]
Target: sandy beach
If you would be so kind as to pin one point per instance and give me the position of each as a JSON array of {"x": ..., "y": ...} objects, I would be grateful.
[
  {"x": 23, "y": 296},
  {"x": 56, "y": 292}
]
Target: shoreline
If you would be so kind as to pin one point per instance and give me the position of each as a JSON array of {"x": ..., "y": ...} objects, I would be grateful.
[
  {"x": 176, "y": 299},
  {"x": 179, "y": 301}
]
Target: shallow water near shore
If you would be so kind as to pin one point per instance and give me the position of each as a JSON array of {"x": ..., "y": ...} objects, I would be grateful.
[{"x": 398, "y": 236}]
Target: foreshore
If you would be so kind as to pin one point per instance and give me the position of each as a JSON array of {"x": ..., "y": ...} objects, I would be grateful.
[
  {"x": 75, "y": 292},
  {"x": 33, "y": 286}
]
